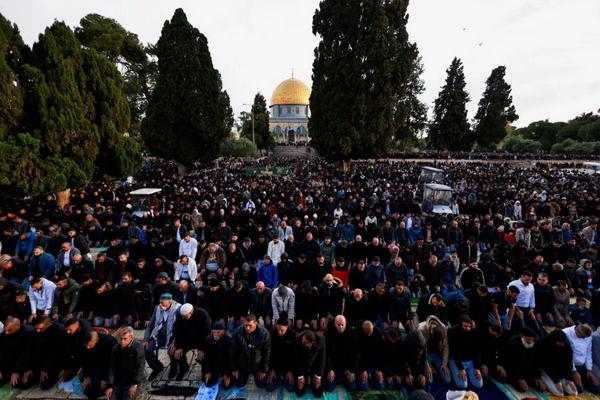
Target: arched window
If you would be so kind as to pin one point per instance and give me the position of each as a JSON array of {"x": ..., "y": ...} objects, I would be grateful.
[
  {"x": 300, "y": 130},
  {"x": 297, "y": 110},
  {"x": 278, "y": 130}
]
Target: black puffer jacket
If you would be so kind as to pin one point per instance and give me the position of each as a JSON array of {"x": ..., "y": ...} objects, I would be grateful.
[{"x": 252, "y": 352}]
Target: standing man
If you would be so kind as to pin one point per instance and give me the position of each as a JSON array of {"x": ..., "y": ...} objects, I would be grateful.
[{"x": 127, "y": 367}]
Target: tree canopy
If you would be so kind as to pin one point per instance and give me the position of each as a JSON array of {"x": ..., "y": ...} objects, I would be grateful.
[
  {"x": 63, "y": 116},
  {"x": 123, "y": 48},
  {"x": 495, "y": 110},
  {"x": 262, "y": 136},
  {"x": 361, "y": 69},
  {"x": 188, "y": 111},
  {"x": 450, "y": 128}
]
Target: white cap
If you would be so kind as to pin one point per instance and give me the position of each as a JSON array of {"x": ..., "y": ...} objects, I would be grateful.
[{"x": 186, "y": 309}]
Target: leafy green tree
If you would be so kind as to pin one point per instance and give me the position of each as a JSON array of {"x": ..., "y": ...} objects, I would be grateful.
[
  {"x": 496, "y": 109},
  {"x": 243, "y": 147},
  {"x": 24, "y": 172},
  {"x": 450, "y": 129},
  {"x": 186, "y": 115},
  {"x": 12, "y": 50},
  {"x": 123, "y": 48},
  {"x": 56, "y": 109},
  {"x": 519, "y": 144},
  {"x": 262, "y": 135},
  {"x": 542, "y": 131},
  {"x": 415, "y": 110},
  {"x": 120, "y": 154},
  {"x": 360, "y": 72}
]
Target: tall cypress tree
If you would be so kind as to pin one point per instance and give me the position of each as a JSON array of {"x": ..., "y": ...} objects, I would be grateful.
[
  {"x": 361, "y": 68},
  {"x": 109, "y": 112},
  {"x": 450, "y": 129},
  {"x": 11, "y": 91},
  {"x": 262, "y": 135},
  {"x": 186, "y": 114},
  {"x": 56, "y": 109},
  {"x": 411, "y": 108},
  {"x": 496, "y": 110}
]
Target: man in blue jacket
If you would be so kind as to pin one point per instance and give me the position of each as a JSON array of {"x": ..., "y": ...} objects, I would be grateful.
[
  {"x": 42, "y": 264},
  {"x": 267, "y": 272}
]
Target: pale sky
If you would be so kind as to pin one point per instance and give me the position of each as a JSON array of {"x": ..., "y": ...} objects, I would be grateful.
[{"x": 551, "y": 48}]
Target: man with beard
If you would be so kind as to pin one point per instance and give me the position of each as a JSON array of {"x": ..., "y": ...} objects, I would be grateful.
[
  {"x": 95, "y": 362},
  {"x": 189, "y": 332},
  {"x": 126, "y": 368},
  {"x": 282, "y": 366},
  {"x": 77, "y": 330},
  {"x": 46, "y": 362},
  {"x": 522, "y": 365},
  {"x": 434, "y": 336},
  {"x": 465, "y": 354},
  {"x": 66, "y": 297},
  {"x": 251, "y": 353},
  {"x": 15, "y": 347},
  {"x": 310, "y": 361},
  {"x": 358, "y": 278},
  {"x": 217, "y": 361},
  {"x": 342, "y": 356}
]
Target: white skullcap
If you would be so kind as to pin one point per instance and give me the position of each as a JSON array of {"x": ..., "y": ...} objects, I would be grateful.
[{"x": 186, "y": 309}]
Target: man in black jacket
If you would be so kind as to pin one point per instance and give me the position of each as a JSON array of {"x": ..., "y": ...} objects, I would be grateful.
[
  {"x": 371, "y": 362},
  {"x": 127, "y": 367},
  {"x": 283, "y": 340},
  {"x": 342, "y": 355},
  {"x": 48, "y": 352},
  {"x": 77, "y": 330},
  {"x": 218, "y": 356},
  {"x": 125, "y": 304},
  {"x": 95, "y": 362},
  {"x": 465, "y": 354},
  {"x": 15, "y": 354},
  {"x": 189, "y": 332},
  {"x": 310, "y": 363},
  {"x": 415, "y": 366},
  {"x": 522, "y": 365},
  {"x": 260, "y": 302},
  {"x": 251, "y": 353}
]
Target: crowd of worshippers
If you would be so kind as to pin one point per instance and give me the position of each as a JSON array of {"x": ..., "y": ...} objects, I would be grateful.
[{"x": 307, "y": 280}]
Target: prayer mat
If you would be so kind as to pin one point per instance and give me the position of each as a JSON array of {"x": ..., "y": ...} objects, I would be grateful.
[{"x": 8, "y": 393}]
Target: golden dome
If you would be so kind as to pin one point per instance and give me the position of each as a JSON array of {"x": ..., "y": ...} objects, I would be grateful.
[{"x": 291, "y": 91}]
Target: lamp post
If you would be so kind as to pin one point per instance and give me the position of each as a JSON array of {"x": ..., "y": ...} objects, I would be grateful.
[{"x": 252, "y": 114}]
